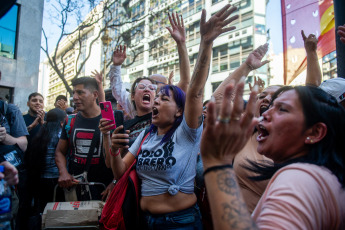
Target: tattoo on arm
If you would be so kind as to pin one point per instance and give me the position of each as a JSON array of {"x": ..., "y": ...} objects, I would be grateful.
[
  {"x": 198, "y": 68},
  {"x": 227, "y": 183},
  {"x": 234, "y": 212}
]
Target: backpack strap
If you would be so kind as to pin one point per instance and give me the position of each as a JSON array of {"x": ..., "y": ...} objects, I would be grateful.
[{"x": 69, "y": 124}]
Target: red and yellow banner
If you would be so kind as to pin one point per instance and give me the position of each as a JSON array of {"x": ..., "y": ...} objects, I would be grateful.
[{"x": 312, "y": 16}]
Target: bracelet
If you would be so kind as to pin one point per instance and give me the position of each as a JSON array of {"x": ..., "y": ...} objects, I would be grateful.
[
  {"x": 215, "y": 168},
  {"x": 250, "y": 66},
  {"x": 114, "y": 155}
]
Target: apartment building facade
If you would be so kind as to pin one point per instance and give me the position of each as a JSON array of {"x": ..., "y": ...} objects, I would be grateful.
[
  {"x": 159, "y": 52},
  {"x": 156, "y": 51}
]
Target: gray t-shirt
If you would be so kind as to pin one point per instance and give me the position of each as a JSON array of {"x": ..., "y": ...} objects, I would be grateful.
[{"x": 168, "y": 167}]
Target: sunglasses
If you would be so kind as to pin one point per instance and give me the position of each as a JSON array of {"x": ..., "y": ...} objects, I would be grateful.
[{"x": 143, "y": 86}]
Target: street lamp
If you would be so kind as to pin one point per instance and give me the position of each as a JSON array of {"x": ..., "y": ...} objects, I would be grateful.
[{"x": 106, "y": 41}]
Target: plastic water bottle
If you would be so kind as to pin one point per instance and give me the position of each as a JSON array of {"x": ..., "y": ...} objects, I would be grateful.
[{"x": 5, "y": 203}]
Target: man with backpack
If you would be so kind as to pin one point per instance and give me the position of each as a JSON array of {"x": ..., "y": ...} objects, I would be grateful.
[
  {"x": 81, "y": 140},
  {"x": 13, "y": 142}
]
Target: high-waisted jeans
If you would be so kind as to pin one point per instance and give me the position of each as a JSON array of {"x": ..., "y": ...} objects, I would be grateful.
[{"x": 186, "y": 219}]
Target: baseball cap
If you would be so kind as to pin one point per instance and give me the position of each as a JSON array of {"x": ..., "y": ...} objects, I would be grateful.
[{"x": 335, "y": 87}]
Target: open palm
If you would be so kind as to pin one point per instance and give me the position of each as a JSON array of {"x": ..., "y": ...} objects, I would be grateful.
[
  {"x": 211, "y": 29},
  {"x": 255, "y": 57},
  {"x": 119, "y": 55},
  {"x": 177, "y": 30}
]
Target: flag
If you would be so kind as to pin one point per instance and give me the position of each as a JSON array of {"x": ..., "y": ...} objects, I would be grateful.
[{"x": 312, "y": 16}]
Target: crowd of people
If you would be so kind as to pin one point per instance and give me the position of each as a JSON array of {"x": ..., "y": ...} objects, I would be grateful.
[{"x": 275, "y": 161}]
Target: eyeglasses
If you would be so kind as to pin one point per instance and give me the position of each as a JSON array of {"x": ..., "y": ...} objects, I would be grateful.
[
  {"x": 159, "y": 82},
  {"x": 143, "y": 86}
]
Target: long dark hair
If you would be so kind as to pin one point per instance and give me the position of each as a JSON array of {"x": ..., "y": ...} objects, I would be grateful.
[
  {"x": 318, "y": 106},
  {"x": 48, "y": 135},
  {"x": 180, "y": 100}
]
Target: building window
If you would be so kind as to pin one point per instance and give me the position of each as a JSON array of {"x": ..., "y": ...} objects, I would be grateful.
[
  {"x": 215, "y": 85},
  {"x": 8, "y": 33}
]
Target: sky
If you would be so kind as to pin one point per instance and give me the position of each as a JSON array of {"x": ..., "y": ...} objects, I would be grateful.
[{"x": 274, "y": 23}]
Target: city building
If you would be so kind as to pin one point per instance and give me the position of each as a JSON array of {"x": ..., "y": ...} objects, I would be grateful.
[
  {"x": 156, "y": 52},
  {"x": 72, "y": 57},
  {"x": 159, "y": 50},
  {"x": 20, "y": 42}
]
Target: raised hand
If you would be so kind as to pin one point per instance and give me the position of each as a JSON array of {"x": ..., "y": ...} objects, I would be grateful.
[
  {"x": 254, "y": 58},
  {"x": 310, "y": 42},
  {"x": 226, "y": 135},
  {"x": 341, "y": 33},
  {"x": 61, "y": 104},
  {"x": 171, "y": 77},
  {"x": 215, "y": 26},
  {"x": 98, "y": 77},
  {"x": 259, "y": 82},
  {"x": 177, "y": 30},
  {"x": 119, "y": 55}
]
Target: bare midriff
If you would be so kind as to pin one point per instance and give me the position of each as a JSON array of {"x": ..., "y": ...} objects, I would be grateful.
[{"x": 166, "y": 203}]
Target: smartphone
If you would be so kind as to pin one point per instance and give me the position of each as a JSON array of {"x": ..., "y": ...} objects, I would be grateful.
[
  {"x": 119, "y": 119},
  {"x": 107, "y": 112}
]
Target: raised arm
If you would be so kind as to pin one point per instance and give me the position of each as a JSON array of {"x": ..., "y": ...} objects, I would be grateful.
[
  {"x": 178, "y": 33},
  {"x": 222, "y": 139},
  {"x": 99, "y": 79},
  {"x": 314, "y": 75},
  {"x": 117, "y": 88},
  {"x": 253, "y": 61},
  {"x": 209, "y": 31}
]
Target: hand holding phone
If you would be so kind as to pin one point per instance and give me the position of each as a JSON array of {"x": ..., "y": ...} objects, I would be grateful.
[
  {"x": 119, "y": 120},
  {"x": 107, "y": 113}
]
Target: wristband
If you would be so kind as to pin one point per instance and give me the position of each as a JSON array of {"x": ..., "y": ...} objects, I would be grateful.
[
  {"x": 215, "y": 168},
  {"x": 114, "y": 155},
  {"x": 250, "y": 66}
]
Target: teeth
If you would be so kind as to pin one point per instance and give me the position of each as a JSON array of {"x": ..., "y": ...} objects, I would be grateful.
[
  {"x": 146, "y": 97},
  {"x": 261, "y": 127},
  {"x": 260, "y": 137}
]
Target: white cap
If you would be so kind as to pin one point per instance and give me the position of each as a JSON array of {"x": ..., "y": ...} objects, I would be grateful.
[{"x": 335, "y": 87}]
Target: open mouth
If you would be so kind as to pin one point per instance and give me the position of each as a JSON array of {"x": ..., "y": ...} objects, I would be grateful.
[
  {"x": 263, "y": 108},
  {"x": 154, "y": 111},
  {"x": 263, "y": 133},
  {"x": 146, "y": 98}
]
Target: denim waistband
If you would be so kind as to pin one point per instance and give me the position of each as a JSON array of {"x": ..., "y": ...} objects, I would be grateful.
[{"x": 195, "y": 207}]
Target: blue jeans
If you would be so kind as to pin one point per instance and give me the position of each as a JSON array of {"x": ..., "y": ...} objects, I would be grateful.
[{"x": 187, "y": 219}]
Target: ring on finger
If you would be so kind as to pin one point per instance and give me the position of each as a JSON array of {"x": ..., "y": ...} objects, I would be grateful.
[
  {"x": 235, "y": 118},
  {"x": 223, "y": 119}
]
